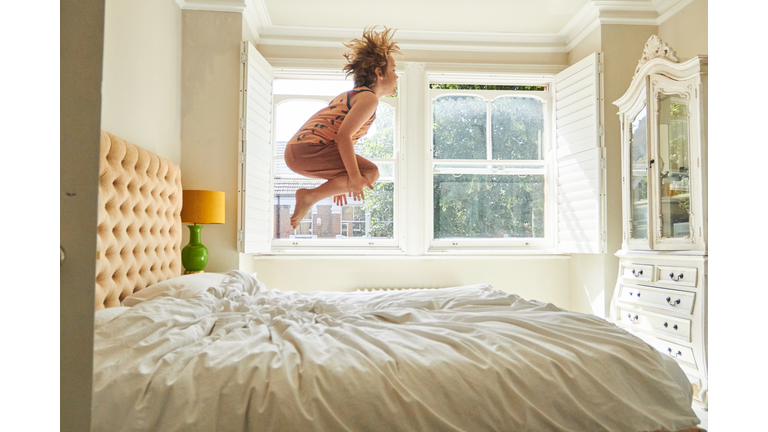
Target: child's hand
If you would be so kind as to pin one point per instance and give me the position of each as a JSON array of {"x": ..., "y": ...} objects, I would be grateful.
[
  {"x": 340, "y": 200},
  {"x": 356, "y": 186}
]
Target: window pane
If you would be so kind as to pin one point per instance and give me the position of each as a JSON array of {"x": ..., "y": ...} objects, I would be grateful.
[
  {"x": 372, "y": 217},
  {"x": 379, "y": 205},
  {"x": 290, "y": 116},
  {"x": 311, "y": 87},
  {"x": 282, "y": 171},
  {"x": 386, "y": 171},
  {"x": 378, "y": 143},
  {"x": 674, "y": 166},
  {"x": 500, "y": 168},
  {"x": 459, "y": 127},
  {"x": 488, "y": 206},
  {"x": 517, "y": 125}
]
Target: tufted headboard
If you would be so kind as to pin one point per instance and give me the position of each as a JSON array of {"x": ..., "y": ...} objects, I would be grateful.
[{"x": 139, "y": 231}]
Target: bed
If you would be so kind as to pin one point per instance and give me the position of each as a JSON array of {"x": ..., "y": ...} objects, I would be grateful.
[{"x": 223, "y": 352}]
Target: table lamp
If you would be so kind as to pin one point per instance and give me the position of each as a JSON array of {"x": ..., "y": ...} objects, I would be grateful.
[{"x": 199, "y": 207}]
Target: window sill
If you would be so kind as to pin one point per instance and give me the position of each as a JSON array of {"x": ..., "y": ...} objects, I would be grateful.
[{"x": 398, "y": 254}]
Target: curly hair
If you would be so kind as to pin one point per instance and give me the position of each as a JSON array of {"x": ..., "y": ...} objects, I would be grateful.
[{"x": 368, "y": 53}]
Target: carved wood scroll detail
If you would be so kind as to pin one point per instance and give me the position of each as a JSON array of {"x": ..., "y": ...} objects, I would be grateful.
[{"x": 655, "y": 48}]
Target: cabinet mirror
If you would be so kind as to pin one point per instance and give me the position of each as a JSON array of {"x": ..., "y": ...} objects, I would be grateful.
[
  {"x": 674, "y": 166},
  {"x": 638, "y": 149}
]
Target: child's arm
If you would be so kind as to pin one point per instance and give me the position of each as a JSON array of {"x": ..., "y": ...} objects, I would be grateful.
[{"x": 363, "y": 108}]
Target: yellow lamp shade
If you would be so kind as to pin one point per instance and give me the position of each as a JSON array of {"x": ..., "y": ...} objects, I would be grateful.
[{"x": 202, "y": 207}]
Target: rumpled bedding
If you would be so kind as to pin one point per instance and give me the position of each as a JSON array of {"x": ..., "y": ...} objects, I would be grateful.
[{"x": 239, "y": 357}]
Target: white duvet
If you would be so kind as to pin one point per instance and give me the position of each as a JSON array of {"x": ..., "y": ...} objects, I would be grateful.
[{"x": 238, "y": 357}]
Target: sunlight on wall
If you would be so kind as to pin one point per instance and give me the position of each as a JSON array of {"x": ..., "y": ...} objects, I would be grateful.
[{"x": 598, "y": 304}]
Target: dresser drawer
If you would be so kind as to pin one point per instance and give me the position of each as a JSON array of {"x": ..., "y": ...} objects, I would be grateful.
[
  {"x": 656, "y": 323},
  {"x": 676, "y": 276},
  {"x": 666, "y": 299},
  {"x": 637, "y": 272},
  {"x": 682, "y": 354}
]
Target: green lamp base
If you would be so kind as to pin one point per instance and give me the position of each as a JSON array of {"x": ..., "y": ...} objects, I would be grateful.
[{"x": 194, "y": 256}]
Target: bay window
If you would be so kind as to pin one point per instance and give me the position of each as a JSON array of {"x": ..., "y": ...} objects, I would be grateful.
[{"x": 468, "y": 163}]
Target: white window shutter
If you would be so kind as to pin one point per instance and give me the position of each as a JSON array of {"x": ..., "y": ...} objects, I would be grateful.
[
  {"x": 255, "y": 173},
  {"x": 580, "y": 157}
]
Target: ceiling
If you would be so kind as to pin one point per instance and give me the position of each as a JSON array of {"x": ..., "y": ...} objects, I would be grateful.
[
  {"x": 477, "y": 25},
  {"x": 511, "y": 16}
]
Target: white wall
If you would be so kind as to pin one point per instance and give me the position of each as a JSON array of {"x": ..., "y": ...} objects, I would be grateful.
[
  {"x": 532, "y": 277},
  {"x": 541, "y": 278},
  {"x": 582, "y": 282},
  {"x": 210, "y": 115},
  {"x": 141, "y": 88}
]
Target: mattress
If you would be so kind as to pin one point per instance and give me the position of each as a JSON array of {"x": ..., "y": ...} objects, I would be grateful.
[{"x": 236, "y": 356}]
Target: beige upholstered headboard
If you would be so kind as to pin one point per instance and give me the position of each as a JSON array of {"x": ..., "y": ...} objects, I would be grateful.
[{"x": 139, "y": 232}]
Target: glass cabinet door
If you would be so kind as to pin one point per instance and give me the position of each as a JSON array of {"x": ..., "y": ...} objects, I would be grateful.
[
  {"x": 673, "y": 166},
  {"x": 638, "y": 186}
]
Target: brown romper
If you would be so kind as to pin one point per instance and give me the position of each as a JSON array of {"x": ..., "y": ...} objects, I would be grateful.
[{"x": 314, "y": 149}]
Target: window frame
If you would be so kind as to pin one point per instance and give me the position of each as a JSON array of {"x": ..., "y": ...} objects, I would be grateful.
[
  {"x": 503, "y": 245},
  {"x": 364, "y": 245}
]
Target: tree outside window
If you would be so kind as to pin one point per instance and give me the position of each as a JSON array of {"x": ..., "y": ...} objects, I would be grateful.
[{"x": 489, "y": 176}]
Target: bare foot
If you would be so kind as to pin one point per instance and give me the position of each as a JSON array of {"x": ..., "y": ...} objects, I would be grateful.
[{"x": 303, "y": 204}]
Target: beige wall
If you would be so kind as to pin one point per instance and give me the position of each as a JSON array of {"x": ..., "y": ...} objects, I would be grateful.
[
  {"x": 210, "y": 98},
  {"x": 591, "y": 43},
  {"x": 585, "y": 271},
  {"x": 592, "y": 277},
  {"x": 141, "y": 89},
  {"x": 686, "y": 31},
  {"x": 544, "y": 279}
]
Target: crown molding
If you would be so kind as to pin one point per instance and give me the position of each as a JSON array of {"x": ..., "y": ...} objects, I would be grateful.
[
  {"x": 417, "y": 39},
  {"x": 295, "y": 66},
  {"x": 589, "y": 17},
  {"x": 257, "y": 18},
  {"x": 599, "y": 12},
  {"x": 288, "y": 64},
  {"x": 667, "y": 8},
  {"x": 213, "y": 5}
]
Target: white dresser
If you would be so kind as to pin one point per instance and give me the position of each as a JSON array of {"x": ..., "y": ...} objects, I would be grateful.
[{"x": 661, "y": 291}]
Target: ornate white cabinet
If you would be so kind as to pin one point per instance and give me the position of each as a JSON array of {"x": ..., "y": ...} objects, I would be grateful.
[{"x": 661, "y": 291}]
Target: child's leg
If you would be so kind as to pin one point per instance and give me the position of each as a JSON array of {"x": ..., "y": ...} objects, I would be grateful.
[
  {"x": 322, "y": 164},
  {"x": 306, "y": 198}
]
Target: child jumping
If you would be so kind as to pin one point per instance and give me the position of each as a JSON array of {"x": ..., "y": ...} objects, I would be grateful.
[{"x": 324, "y": 146}]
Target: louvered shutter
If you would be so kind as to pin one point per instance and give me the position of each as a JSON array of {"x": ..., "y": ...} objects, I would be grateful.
[
  {"x": 255, "y": 174},
  {"x": 580, "y": 157}
]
